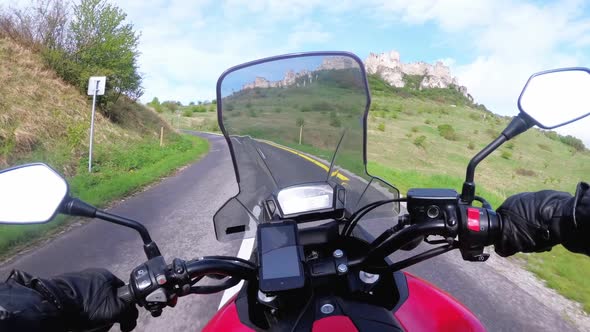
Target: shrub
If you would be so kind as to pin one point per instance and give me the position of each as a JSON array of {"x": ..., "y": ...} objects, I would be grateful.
[
  {"x": 493, "y": 133},
  {"x": 474, "y": 116},
  {"x": 415, "y": 129},
  {"x": 334, "y": 120},
  {"x": 525, "y": 172},
  {"x": 187, "y": 112},
  {"x": 420, "y": 141},
  {"x": 199, "y": 109},
  {"x": 506, "y": 155},
  {"x": 447, "y": 131},
  {"x": 545, "y": 147},
  {"x": 381, "y": 126},
  {"x": 427, "y": 121},
  {"x": 510, "y": 145},
  {"x": 471, "y": 146}
]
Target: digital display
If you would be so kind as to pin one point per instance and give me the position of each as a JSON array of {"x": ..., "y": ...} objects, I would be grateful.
[{"x": 279, "y": 254}]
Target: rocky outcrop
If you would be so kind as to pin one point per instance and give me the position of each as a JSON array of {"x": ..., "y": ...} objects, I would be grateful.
[
  {"x": 390, "y": 68},
  {"x": 291, "y": 78},
  {"x": 337, "y": 63}
]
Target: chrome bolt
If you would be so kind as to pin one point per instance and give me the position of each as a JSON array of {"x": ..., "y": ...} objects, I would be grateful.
[
  {"x": 327, "y": 309},
  {"x": 342, "y": 268},
  {"x": 368, "y": 278},
  {"x": 338, "y": 253},
  {"x": 262, "y": 297}
]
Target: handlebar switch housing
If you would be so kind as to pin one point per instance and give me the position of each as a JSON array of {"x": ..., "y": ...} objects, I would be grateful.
[
  {"x": 479, "y": 228},
  {"x": 146, "y": 281}
]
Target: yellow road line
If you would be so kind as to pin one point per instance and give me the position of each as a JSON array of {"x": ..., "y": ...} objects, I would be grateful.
[{"x": 317, "y": 163}]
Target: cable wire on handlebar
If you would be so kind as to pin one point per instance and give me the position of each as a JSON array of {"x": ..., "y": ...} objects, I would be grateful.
[
  {"x": 413, "y": 260},
  {"x": 356, "y": 217},
  {"x": 236, "y": 259},
  {"x": 232, "y": 281}
]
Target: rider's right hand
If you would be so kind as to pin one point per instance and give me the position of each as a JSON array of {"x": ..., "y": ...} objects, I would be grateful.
[{"x": 536, "y": 221}]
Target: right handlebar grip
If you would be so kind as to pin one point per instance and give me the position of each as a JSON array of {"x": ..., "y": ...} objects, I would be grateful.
[{"x": 124, "y": 293}]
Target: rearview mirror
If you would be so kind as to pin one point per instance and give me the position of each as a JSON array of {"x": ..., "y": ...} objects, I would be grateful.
[
  {"x": 556, "y": 97},
  {"x": 30, "y": 194}
]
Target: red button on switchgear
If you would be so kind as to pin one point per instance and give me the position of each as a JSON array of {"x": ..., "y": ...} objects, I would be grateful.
[{"x": 473, "y": 219}]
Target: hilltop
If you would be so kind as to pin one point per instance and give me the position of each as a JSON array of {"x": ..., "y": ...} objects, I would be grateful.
[{"x": 389, "y": 67}]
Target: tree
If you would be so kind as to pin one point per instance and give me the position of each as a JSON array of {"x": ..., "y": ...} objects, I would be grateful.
[
  {"x": 102, "y": 43},
  {"x": 155, "y": 104}
]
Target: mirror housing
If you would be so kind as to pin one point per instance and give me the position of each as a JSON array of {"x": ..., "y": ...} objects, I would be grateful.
[
  {"x": 554, "y": 98},
  {"x": 31, "y": 194}
]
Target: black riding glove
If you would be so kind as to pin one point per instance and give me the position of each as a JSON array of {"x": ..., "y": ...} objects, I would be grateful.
[
  {"x": 535, "y": 222},
  {"x": 72, "y": 301}
]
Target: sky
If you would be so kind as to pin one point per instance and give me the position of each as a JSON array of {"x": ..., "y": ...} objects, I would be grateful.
[{"x": 492, "y": 46}]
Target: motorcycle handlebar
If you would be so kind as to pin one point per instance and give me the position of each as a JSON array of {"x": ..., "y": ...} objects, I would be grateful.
[
  {"x": 181, "y": 274},
  {"x": 125, "y": 295}
]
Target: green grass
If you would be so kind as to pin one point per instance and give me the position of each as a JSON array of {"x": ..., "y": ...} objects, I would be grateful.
[
  {"x": 118, "y": 172},
  {"x": 564, "y": 271}
]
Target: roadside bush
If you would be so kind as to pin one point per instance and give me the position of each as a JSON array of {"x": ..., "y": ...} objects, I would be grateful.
[
  {"x": 415, "y": 129},
  {"x": 448, "y": 132},
  {"x": 381, "y": 126},
  {"x": 420, "y": 141},
  {"x": 187, "y": 112},
  {"x": 510, "y": 145},
  {"x": 471, "y": 146},
  {"x": 506, "y": 155}
]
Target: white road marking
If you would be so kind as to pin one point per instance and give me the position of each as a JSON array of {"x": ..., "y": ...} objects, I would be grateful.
[{"x": 244, "y": 253}]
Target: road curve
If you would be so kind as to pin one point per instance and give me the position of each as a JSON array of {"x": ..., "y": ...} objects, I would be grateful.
[{"x": 178, "y": 213}]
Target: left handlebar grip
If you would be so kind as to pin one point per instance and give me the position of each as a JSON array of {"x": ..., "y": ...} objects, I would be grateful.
[{"x": 124, "y": 293}]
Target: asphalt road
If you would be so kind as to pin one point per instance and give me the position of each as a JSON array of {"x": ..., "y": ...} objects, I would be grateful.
[{"x": 178, "y": 213}]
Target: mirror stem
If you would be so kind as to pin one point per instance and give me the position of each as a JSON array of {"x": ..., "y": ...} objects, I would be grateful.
[
  {"x": 468, "y": 193},
  {"x": 517, "y": 126},
  {"x": 76, "y": 207}
]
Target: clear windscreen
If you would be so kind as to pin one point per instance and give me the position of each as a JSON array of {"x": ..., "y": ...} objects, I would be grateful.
[{"x": 292, "y": 121}]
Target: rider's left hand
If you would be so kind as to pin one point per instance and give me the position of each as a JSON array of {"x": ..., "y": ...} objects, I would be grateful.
[{"x": 84, "y": 300}]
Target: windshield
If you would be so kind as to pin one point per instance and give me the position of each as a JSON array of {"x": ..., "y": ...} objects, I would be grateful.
[{"x": 290, "y": 121}]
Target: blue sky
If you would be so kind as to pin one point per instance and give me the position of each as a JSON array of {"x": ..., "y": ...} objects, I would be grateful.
[{"x": 492, "y": 46}]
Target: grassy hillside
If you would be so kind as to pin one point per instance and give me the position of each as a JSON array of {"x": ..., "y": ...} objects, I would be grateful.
[
  {"x": 426, "y": 138},
  {"x": 44, "y": 119}
]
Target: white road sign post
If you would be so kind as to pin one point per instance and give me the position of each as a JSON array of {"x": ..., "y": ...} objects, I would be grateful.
[{"x": 96, "y": 85}]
